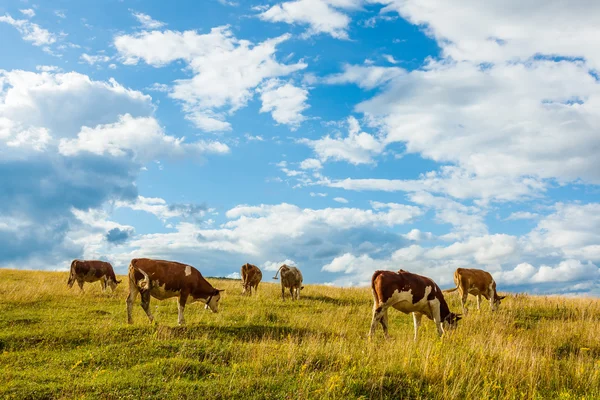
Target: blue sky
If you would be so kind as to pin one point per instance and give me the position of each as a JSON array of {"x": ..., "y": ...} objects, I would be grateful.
[{"x": 342, "y": 136}]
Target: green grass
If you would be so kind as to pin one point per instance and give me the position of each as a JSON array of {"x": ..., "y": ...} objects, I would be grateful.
[{"x": 58, "y": 343}]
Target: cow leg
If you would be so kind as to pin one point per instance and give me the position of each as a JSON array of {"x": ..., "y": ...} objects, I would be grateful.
[
  {"x": 292, "y": 293},
  {"x": 417, "y": 321},
  {"x": 181, "y": 306},
  {"x": 437, "y": 319},
  {"x": 384, "y": 323},
  {"x": 478, "y": 302},
  {"x": 463, "y": 301},
  {"x": 130, "y": 299},
  {"x": 377, "y": 315},
  {"x": 103, "y": 284},
  {"x": 298, "y": 293},
  {"x": 282, "y": 292},
  {"x": 80, "y": 283},
  {"x": 146, "y": 304}
]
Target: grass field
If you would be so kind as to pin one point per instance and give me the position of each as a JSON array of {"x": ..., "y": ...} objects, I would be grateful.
[{"x": 58, "y": 343}]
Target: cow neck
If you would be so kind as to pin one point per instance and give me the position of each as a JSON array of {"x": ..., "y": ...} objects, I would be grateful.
[
  {"x": 204, "y": 289},
  {"x": 444, "y": 309}
]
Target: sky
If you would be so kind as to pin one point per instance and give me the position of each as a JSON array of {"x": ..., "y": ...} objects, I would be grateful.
[{"x": 340, "y": 136}]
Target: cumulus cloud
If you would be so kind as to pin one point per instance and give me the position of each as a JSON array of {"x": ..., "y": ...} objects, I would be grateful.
[
  {"x": 496, "y": 30},
  {"x": 284, "y": 101},
  {"x": 322, "y": 16},
  {"x": 163, "y": 210},
  {"x": 356, "y": 148},
  {"x": 364, "y": 76},
  {"x": 29, "y": 31},
  {"x": 91, "y": 59},
  {"x": 28, "y": 12},
  {"x": 227, "y": 72},
  {"x": 143, "y": 137}
]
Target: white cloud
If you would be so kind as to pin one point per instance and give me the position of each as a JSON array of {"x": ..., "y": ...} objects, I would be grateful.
[
  {"x": 99, "y": 58},
  {"x": 284, "y": 101},
  {"x": 366, "y": 77},
  {"x": 28, "y": 12},
  {"x": 256, "y": 138},
  {"x": 311, "y": 163},
  {"x": 274, "y": 265},
  {"x": 497, "y": 30},
  {"x": 521, "y": 215},
  {"x": 162, "y": 210},
  {"x": 47, "y": 68},
  {"x": 340, "y": 200},
  {"x": 29, "y": 31},
  {"x": 321, "y": 16},
  {"x": 313, "y": 194},
  {"x": 539, "y": 118},
  {"x": 356, "y": 148},
  {"x": 142, "y": 136},
  {"x": 60, "y": 14},
  {"x": 147, "y": 22},
  {"x": 234, "y": 275},
  {"x": 227, "y": 71},
  {"x": 572, "y": 231},
  {"x": 417, "y": 235},
  {"x": 389, "y": 58},
  {"x": 64, "y": 102}
]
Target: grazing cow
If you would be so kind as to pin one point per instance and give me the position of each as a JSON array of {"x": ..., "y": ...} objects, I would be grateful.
[
  {"x": 92, "y": 271},
  {"x": 409, "y": 293},
  {"x": 164, "y": 279},
  {"x": 478, "y": 283},
  {"x": 291, "y": 278},
  {"x": 251, "y": 277}
]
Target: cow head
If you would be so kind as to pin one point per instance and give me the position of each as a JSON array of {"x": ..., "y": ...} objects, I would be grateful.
[
  {"x": 112, "y": 283},
  {"x": 496, "y": 302},
  {"x": 212, "y": 301},
  {"x": 451, "y": 321}
]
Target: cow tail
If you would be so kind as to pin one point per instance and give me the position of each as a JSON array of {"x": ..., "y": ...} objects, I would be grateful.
[
  {"x": 143, "y": 284},
  {"x": 375, "y": 297},
  {"x": 275, "y": 277},
  {"x": 449, "y": 290},
  {"x": 72, "y": 272}
]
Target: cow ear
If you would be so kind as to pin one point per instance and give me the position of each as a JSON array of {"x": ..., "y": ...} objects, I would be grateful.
[
  {"x": 220, "y": 290},
  {"x": 501, "y": 297},
  {"x": 119, "y": 282}
]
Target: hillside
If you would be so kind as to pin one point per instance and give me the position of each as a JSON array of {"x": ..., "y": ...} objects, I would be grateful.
[{"x": 58, "y": 343}]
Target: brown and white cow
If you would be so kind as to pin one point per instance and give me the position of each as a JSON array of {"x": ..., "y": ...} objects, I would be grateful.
[
  {"x": 251, "y": 277},
  {"x": 409, "y": 293},
  {"x": 478, "y": 283},
  {"x": 291, "y": 278},
  {"x": 92, "y": 271},
  {"x": 164, "y": 279}
]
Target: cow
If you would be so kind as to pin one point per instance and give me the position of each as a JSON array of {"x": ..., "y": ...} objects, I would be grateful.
[
  {"x": 92, "y": 271},
  {"x": 478, "y": 283},
  {"x": 409, "y": 293},
  {"x": 164, "y": 279},
  {"x": 291, "y": 278},
  {"x": 251, "y": 277}
]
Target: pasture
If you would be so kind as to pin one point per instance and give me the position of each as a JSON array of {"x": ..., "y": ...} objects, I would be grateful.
[{"x": 58, "y": 343}]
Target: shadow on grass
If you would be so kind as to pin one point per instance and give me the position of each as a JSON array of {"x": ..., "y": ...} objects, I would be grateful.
[
  {"x": 336, "y": 301},
  {"x": 246, "y": 332}
]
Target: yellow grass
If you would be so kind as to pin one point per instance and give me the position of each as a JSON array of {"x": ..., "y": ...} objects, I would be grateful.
[{"x": 58, "y": 343}]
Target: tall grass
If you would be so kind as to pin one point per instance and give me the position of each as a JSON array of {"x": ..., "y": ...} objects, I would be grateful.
[{"x": 58, "y": 343}]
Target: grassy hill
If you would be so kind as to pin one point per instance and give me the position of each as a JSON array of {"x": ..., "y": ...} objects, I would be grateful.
[{"x": 58, "y": 343}]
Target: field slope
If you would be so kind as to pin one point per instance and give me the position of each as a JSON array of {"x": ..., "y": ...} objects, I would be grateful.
[{"x": 58, "y": 343}]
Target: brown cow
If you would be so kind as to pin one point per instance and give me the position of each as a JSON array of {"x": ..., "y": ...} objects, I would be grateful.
[
  {"x": 164, "y": 279},
  {"x": 291, "y": 278},
  {"x": 409, "y": 293},
  {"x": 478, "y": 283},
  {"x": 251, "y": 277},
  {"x": 92, "y": 271}
]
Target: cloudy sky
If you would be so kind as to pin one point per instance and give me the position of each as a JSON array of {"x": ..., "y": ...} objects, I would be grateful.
[{"x": 342, "y": 136}]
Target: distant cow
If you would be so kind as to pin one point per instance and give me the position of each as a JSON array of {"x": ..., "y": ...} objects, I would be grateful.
[
  {"x": 164, "y": 279},
  {"x": 291, "y": 278},
  {"x": 409, "y": 293},
  {"x": 251, "y": 277},
  {"x": 92, "y": 271},
  {"x": 478, "y": 283}
]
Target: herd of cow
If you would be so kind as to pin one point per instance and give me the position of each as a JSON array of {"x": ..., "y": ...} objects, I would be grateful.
[{"x": 402, "y": 290}]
